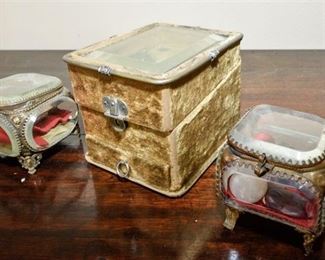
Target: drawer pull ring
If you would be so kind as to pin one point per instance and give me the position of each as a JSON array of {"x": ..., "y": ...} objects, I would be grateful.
[{"x": 123, "y": 169}]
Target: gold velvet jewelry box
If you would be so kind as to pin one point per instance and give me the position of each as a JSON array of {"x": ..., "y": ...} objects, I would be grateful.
[
  {"x": 273, "y": 166},
  {"x": 157, "y": 102},
  {"x": 36, "y": 112}
]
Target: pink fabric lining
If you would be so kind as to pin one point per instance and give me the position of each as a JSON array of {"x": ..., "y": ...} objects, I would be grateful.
[
  {"x": 47, "y": 123},
  {"x": 261, "y": 207},
  {"x": 42, "y": 127}
]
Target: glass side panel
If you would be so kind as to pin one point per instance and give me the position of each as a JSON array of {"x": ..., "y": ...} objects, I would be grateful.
[
  {"x": 159, "y": 49},
  {"x": 281, "y": 132},
  {"x": 26, "y": 84},
  {"x": 272, "y": 195},
  {"x": 5, "y": 143},
  {"x": 54, "y": 124}
]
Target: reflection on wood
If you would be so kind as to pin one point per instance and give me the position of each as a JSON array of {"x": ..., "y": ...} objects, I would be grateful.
[{"x": 74, "y": 210}]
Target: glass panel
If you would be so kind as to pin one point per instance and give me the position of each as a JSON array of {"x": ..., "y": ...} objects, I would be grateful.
[
  {"x": 271, "y": 195},
  {"x": 158, "y": 49},
  {"x": 18, "y": 85},
  {"x": 5, "y": 143},
  {"x": 54, "y": 124},
  {"x": 281, "y": 132}
]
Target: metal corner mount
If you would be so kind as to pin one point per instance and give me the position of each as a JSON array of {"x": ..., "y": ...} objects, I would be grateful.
[{"x": 30, "y": 162}]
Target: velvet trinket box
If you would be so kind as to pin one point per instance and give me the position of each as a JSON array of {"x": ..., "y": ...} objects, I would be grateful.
[
  {"x": 36, "y": 112},
  {"x": 273, "y": 166},
  {"x": 157, "y": 102}
]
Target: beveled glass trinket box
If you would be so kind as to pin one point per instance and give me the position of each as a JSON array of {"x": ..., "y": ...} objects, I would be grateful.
[
  {"x": 273, "y": 166},
  {"x": 36, "y": 112}
]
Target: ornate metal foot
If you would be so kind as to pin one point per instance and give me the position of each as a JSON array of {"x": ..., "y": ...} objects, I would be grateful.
[
  {"x": 30, "y": 162},
  {"x": 309, "y": 242},
  {"x": 231, "y": 218}
]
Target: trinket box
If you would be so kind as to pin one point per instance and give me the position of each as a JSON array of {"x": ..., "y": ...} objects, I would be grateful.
[
  {"x": 273, "y": 166},
  {"x": 157, "y": 102},
  {"x": 36, "y": 112}
]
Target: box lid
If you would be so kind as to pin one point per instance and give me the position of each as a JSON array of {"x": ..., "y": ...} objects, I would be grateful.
[
  {"x": 285, "y": 136},
  {"x": 19, "y": 88},
  {"x": 157, "y": 53}
]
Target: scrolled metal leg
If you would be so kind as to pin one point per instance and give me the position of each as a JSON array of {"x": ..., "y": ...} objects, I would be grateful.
[
  {"x": 309, "y": 239},
  {"x": 231, "y": 218},
  {"x": 30, "y": 162}
]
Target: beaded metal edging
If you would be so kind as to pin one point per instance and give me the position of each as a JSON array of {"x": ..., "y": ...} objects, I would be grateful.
[
  {"x": 278, "y": 161},
  {"x": 30, "y": 105},
  {"x": 32, "y": 96},
  {"x": 275, "y": 159}
]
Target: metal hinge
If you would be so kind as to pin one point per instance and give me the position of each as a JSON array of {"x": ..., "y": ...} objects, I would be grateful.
[
  {"x": 213, "y": 55},
  {"x": 105, "y": 70},
  {"x": 263, "y": 166},
  {"x": 117, "y": 110}
]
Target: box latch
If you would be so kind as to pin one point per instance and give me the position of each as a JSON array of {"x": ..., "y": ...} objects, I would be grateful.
[
  {"x": 117, "y": 111},
  {"x": 263, "y": 166}
]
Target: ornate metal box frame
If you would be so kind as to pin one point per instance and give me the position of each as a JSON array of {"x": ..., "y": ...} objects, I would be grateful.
[
  {"x": 36, "y": 112},
  {"x": 273, "y": 166}
]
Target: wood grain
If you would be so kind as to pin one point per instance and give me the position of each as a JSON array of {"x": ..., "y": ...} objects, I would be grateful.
[{"x": 72, "y": 210}]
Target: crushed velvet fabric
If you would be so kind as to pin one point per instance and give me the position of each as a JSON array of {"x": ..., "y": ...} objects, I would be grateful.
[{"x": 174, "y": 131}]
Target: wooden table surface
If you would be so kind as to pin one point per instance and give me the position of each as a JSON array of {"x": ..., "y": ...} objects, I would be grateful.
[{"x": 71, "y": 209}]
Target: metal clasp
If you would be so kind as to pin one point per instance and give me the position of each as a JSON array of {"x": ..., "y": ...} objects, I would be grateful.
[
  {"x": 263, "y": 166},
  {"x": 117, "y": 110}
]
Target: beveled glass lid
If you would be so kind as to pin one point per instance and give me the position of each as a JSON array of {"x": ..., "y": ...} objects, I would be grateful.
[
  {"x": 283, "y": 135},
  {"x": 22, "y": 87},
  {"x": 156, "y": 53}
]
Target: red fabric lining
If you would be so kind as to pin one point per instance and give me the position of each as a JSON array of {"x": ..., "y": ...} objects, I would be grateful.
[
  {"x": 261, "y": 208},
  {"x": 47, "y": 123},
  {"x": 42, "y": 127},
  {"x": 4, "y": 138}
]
